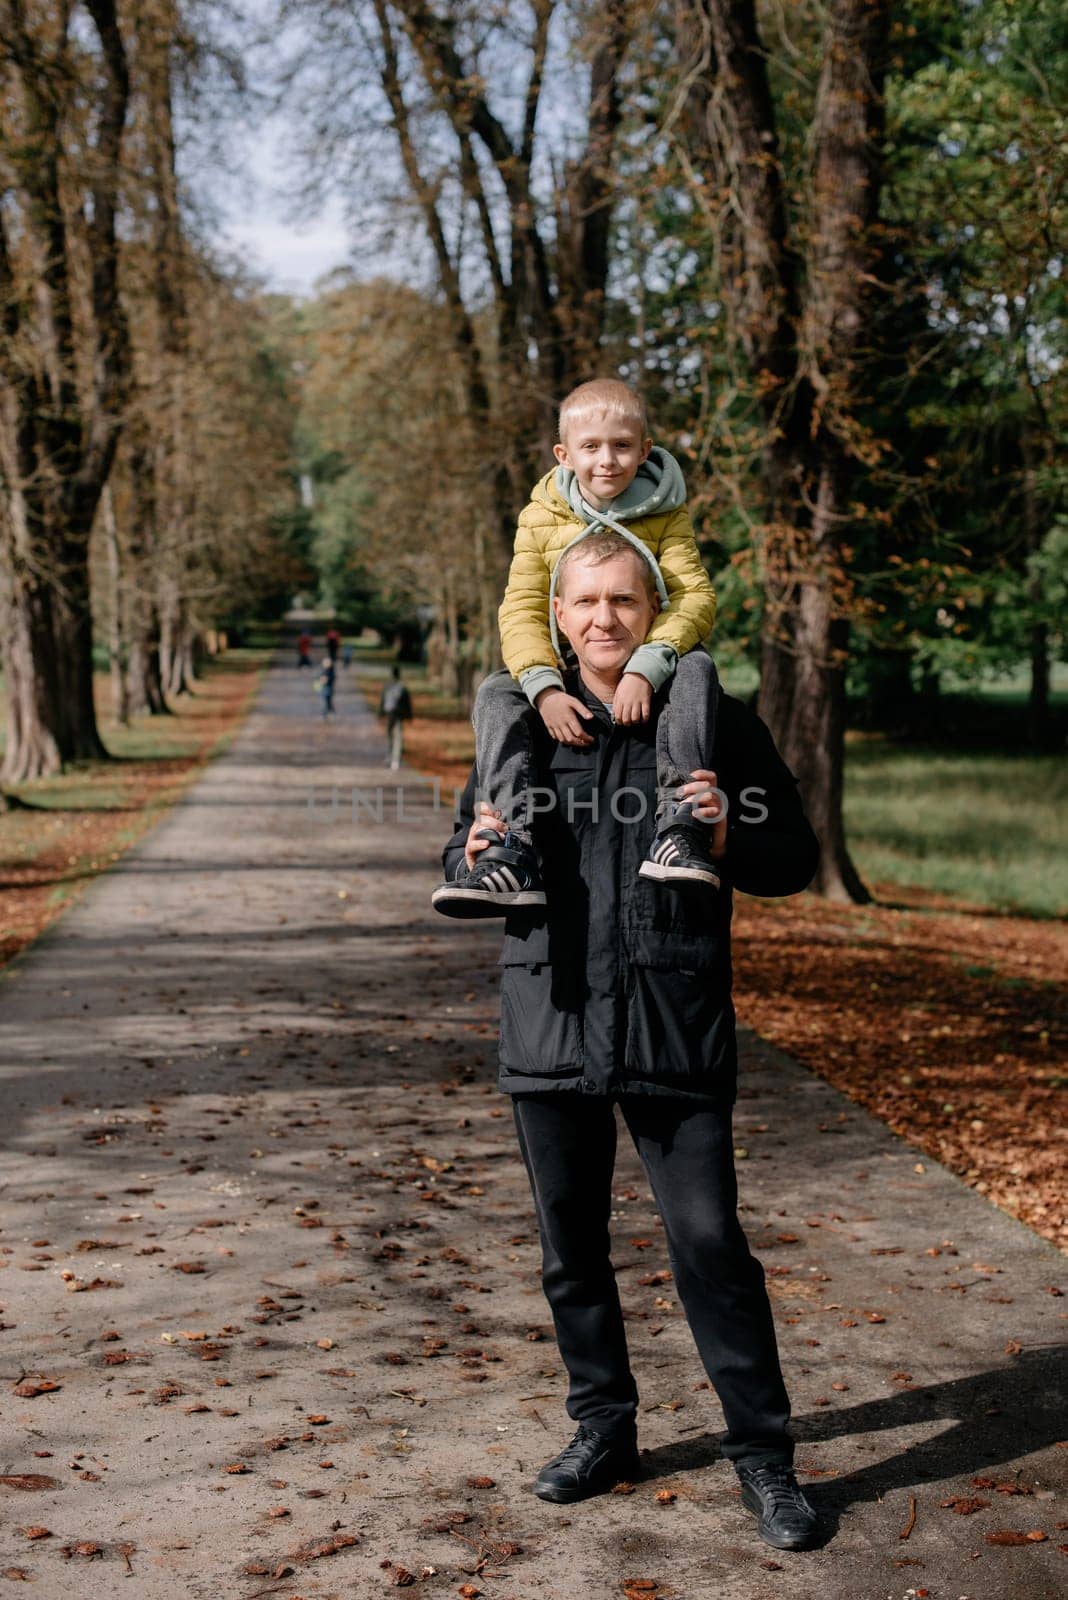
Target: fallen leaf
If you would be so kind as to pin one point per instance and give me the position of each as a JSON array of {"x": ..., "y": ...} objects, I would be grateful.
[
  {"x": 962, "y": 1505},
  {"x": 28, "y": 1480},
  {"x": 37, "y": 1533},
  {"x": 1009, "y": 1536},
  {"x": 30, "y": 1388},
  {"x": 317, "y": 1549},
  {"x": 666, "y": 1497}
]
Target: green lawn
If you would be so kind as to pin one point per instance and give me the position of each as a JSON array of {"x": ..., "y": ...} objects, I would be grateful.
[{"x": 986, "y": 827}]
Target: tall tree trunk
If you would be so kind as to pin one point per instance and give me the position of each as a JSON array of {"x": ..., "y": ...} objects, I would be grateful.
[
  {"x": 120, "y": 693},
  {"x": 32, "y": 746},
  {"x": 57, "y": 437},
  {"x": 1038, "y": 717},
  {"x": 800, "y": 333},
  {"x": 48, "y": 654},
  {"x": 144, "y": 678}
]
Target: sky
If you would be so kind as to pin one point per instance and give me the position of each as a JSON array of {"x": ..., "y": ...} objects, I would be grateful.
[
  {"x": 248, "y": 211},
  {"x": 258, "y": 221}
]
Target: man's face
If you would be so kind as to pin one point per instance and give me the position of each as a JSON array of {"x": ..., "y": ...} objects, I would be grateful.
[
  {"x": 604, "y": 453},
  {"x": 606, "y": 611}
]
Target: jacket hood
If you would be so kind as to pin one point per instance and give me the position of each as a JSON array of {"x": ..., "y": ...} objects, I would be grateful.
[{"x": 658, "y": 487}]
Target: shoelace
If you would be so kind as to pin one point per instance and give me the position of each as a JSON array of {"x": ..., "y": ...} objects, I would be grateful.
[
  {"x": 783, "y": 1490},
  {"x": 576, "y": 1449}
]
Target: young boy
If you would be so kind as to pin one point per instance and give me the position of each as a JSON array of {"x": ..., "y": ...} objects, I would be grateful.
[{"x": 609, "y": 475}]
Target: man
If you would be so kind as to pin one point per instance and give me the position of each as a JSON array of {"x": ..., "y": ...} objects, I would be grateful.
[
  {"x": 618, "y": 991},
  {"x": 396, "y": 706}
]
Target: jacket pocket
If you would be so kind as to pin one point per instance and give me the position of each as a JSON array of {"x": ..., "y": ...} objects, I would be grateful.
[
  {"x": 541, "y": 1034},
  {"x": 680, "y": 1019}
]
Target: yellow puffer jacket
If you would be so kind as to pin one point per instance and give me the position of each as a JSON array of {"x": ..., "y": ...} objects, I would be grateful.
[{"x": 546, "y": 526}]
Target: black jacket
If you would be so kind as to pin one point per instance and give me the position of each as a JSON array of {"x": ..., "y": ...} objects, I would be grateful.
[{"x": 619, "y": 984}]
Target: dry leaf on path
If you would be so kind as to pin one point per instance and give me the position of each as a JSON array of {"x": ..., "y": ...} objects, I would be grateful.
[{"x": 316, "y": 1549}]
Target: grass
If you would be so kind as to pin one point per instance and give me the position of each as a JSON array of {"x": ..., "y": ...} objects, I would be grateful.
[{"x": 987, "y": 828}]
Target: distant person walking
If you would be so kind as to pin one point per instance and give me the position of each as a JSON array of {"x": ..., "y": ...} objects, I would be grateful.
[
  {"x": 333, "y": 643},
  {"x": 325, "y": 685},
  {"x": 396, "y": 706},
  {"x": 304, "y": 644}
]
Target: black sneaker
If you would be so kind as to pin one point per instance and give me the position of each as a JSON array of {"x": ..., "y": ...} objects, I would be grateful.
[
  {"x": 773, "y": 1494},
  {"x": 591, "y": 1464},
  {"x": 504, "y": 877},
  {"x": 679, "y": 854}
]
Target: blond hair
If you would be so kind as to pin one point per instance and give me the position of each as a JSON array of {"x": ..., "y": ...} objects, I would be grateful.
[
  {"x": 604, "y": 544},
  {"x": 608, "y": 395}
]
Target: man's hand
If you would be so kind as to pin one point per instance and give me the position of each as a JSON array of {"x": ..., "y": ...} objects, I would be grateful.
[
  {"x": 560, "y": 713},
  {"x": 632, "y": 699},
  {"x": 488, "y": 817},
  {"x": 709, "y": 805}
]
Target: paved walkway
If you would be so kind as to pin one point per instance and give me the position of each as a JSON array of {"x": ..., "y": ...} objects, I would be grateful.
[{"x": 264, "y": 1225}]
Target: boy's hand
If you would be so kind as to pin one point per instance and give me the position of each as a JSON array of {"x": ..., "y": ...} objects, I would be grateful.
[
  {"x": 560, "y": 713},
  {"x": 632, "y": 699},
  {"x": 487, "y": 818},
  {"x": 709, "y": 804}
]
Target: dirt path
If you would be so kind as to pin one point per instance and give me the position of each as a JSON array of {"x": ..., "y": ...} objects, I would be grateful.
[{"x": 264, "y": 1225}]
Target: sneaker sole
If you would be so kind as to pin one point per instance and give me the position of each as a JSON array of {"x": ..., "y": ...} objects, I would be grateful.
[
  {"x": 473, "y": 903},
  {"x": 659, "y": 874}
]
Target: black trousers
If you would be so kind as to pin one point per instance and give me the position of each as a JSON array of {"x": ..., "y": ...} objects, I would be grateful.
[{"x": 568, "y": 1143}]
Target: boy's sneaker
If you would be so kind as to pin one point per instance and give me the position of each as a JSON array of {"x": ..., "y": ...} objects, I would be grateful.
[
  {"x": 504, "y": 877},
  {"x": 679, "y": 854}
]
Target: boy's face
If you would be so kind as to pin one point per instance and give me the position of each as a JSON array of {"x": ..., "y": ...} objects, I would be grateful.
[{"x": 604, "y": 452}]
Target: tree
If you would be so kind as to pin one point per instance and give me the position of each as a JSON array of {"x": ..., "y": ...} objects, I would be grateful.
[
  {"x": 515, "y": 203},
  {"x": 395, "y": 468},
  {"x": 978, "y": 180},
  {"x": 62, "y": 114},
  {"x": 798, "y": 295}
]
